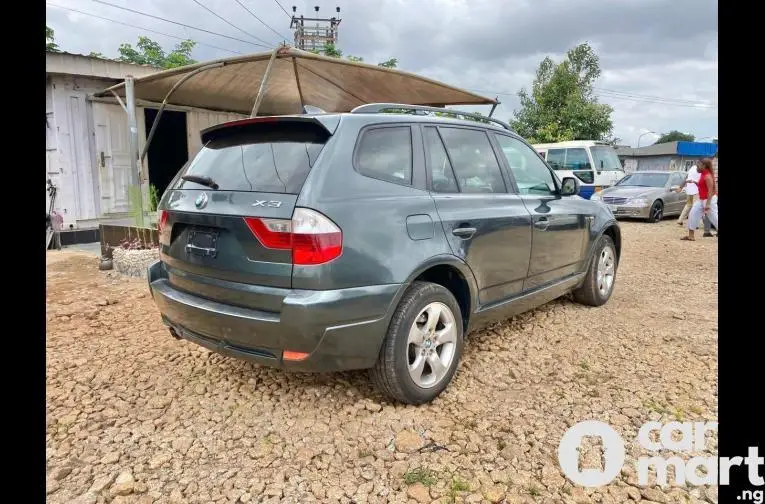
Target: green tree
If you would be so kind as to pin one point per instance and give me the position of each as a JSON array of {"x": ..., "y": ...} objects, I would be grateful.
[
  {"x": 391, "y": 63},
  {"x": 149, "y": 52},
  {"x": 50, "y": 44},
  {"x": 94, "y": 54},
  {"x": 675, "y": 136},
  {"x": 562, "y": 105}
]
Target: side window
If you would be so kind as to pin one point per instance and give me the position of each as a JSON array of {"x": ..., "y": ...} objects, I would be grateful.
[
  {"x": 441, "y": 174},
  {"x": 568, "y": 159},
  {"x": 556, "y": 158},
  {"x": 576, "y": 159},
  {"x": 531, "y": 174},
  {"x": 385, "y": 153},
  {"x": 676, "y": 180},
  {"x": 473, "y": 159}
]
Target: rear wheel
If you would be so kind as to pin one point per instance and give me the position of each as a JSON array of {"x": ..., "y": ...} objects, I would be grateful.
[
  {"x": 601, "y": 275},
  {"x": 423, "y": 345},
  {"x": 657, "y": 212}
]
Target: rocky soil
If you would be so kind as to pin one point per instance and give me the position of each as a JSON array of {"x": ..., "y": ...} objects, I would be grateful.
[
  {"x": 134, "y": 416},
  {"x": 133, "y": 262}
]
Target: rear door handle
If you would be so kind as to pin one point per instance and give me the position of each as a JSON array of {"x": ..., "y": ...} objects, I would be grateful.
[
  {"x": 464, "y": 232},
  {"x": 542, "y": 224}
]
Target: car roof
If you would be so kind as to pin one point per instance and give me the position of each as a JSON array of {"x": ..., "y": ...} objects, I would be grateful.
[
  {"x": 570, "y": 143},
  {"x": 420, "y": 118},
  {"x": 388, "y": 117}
]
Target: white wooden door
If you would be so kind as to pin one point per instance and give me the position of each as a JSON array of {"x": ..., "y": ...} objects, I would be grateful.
[{"x": 112, "y": 157}]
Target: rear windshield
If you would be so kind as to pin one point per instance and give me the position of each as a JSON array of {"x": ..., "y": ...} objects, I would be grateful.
[{"x": 248, "y": 161}]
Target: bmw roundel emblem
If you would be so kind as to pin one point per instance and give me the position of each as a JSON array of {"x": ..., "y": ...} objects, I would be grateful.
[{"x": 201, "y": 200}]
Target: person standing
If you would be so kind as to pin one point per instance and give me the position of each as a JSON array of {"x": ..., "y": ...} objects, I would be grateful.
[
  {"x": 706, "y": 204},
  {"x": 57, "y": 222},
  {"x": 691, "y": 190}
]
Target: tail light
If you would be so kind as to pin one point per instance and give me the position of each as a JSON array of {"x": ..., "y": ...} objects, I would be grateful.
[
  {"x": 162, "y": 221},
  {"x": 312, "y": 237}
]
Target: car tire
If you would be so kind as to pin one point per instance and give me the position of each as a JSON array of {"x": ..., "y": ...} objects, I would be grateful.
[
  {"x": 422, "y": 303},
  {"x": 656, "y": 213},
  {"x": 603, "y": 262}
]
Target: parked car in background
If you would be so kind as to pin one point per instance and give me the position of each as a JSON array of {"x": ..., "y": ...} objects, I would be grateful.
[
  {"x": 371, "y": 240},
  {"x": 648, "y": 195}
]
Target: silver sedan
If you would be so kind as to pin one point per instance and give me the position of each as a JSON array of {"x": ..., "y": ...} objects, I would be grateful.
[{"x": 648, "y": 195}]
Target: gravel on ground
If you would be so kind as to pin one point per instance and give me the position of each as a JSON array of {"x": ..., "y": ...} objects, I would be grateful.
[{"x": 134, "y": 416}]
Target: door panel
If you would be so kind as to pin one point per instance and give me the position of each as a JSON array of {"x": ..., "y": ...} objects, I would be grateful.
[
  {"x": 559, "y": 233},
  {"x": 559, "y": 224},
  {"x": 113, "y": 157},
  {"x": 491, "y": 230},
  {"x": 498, "y": 249}
]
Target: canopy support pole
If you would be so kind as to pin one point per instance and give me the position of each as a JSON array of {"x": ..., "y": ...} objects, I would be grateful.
[
  {"x": 494, "y": 107},
  {"x": 135, "y": 177},
  {"x": 119, "y": 100},
  {"x": 263, "y": 83},
  {"x": 297, "y": 81},
  {"x": 167, "y": 97}
]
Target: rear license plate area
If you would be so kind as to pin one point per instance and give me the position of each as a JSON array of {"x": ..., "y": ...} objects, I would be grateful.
[{"x": 202, "y": 243}]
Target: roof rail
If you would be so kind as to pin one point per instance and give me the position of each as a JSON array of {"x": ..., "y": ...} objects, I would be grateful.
[{"x": 379, "y": 108}]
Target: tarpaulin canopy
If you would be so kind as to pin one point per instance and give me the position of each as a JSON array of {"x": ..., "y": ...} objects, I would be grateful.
[{"x": 296, "y": 78}]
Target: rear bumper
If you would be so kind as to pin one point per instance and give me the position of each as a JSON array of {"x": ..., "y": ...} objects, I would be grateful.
[{"x": 339, "y": 329}]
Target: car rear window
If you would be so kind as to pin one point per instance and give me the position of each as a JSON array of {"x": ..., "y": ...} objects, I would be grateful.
[{"x": 277, "y": 162}]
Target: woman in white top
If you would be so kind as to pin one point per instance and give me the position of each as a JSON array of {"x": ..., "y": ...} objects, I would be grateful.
[{"x": 691, "y": 190}]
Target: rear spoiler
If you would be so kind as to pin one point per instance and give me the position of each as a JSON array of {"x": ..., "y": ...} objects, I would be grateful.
[{"x": 328, "y": 123}]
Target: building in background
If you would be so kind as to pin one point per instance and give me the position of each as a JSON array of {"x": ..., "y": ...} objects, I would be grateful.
[
  {"x": 87, "y": 155},
  {"x": 668, "y": 156}
]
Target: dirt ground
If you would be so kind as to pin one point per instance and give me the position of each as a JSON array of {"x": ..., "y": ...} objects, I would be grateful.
[{"x": 136, "y": 416}]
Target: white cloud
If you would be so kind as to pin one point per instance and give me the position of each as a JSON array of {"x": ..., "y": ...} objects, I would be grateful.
[{"x": 658, "y": 75}]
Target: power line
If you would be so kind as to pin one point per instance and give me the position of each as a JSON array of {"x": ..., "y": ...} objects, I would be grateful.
[
  {"x": 138, "y": 27},
  {"x": 656, "y": 100},
  {"x": 283, "y": 9},
  {"x": 629, "y": 93},
  {"x": 227, "y": 21},
  {"x": 179, "y": 24},
  {"x": 261, "y": 21}
]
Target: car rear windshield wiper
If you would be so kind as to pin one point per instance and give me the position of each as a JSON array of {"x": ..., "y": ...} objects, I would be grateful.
[{"x": 198, "y": 179}]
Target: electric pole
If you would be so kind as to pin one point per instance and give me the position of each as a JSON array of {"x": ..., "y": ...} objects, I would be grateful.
[{"x": 312, "y": 34}]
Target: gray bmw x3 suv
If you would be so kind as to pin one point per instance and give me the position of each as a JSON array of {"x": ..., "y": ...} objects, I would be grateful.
[{"x": 375, "y": 239}]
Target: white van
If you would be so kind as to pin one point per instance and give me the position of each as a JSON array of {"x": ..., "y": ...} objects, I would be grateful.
[{"x": 594, "y": 163}]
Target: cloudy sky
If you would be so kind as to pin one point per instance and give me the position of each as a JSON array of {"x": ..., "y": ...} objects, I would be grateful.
[{"x": 659, "y": 57}]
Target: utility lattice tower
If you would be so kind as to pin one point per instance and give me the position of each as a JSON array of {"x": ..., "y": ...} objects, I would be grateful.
[{"x": 312, "y": 34}]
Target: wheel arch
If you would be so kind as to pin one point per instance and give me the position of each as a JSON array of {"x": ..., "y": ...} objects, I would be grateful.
[{"x": 453, "y": 274}]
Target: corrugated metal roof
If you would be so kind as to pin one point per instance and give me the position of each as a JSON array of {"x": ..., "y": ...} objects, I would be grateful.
[
  {"x": 662, "y": 149},
  {"x": 65, "y": 63},
  {"x": 297, "y": 77}
]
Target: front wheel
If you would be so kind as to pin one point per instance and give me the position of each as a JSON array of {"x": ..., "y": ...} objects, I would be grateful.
[
  {"x": 423, "y": 345},
  {"x": 601, "y": 274},
  {"x": 656, "y": 213}
]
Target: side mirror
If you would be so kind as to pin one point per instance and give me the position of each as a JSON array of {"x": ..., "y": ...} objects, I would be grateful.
[
  {"x": 674, "y": 188},
  {"x": 569, "y": 187}
]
